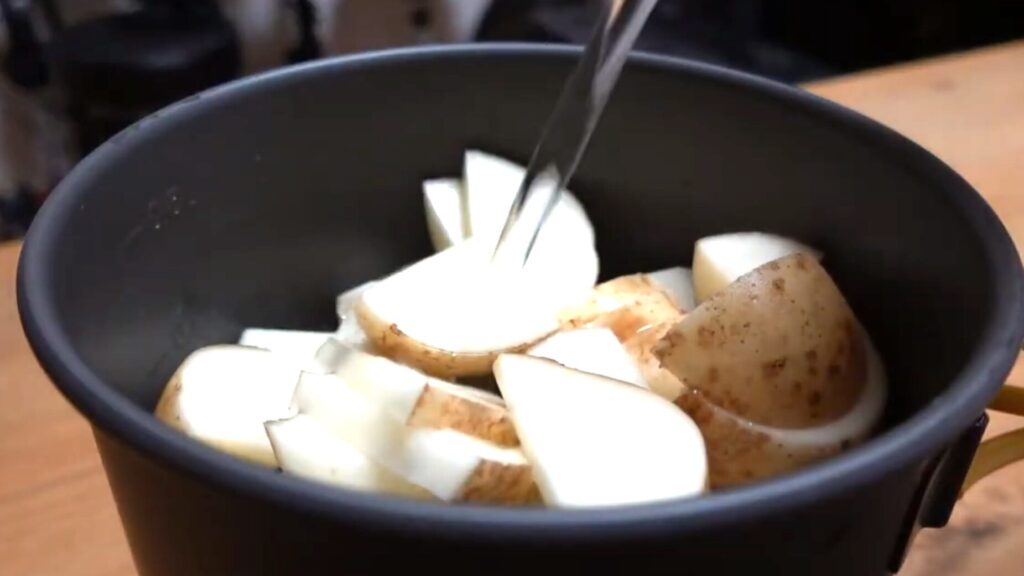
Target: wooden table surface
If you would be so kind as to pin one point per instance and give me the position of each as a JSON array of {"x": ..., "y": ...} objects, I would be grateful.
[{"x": 56, "y": 512}]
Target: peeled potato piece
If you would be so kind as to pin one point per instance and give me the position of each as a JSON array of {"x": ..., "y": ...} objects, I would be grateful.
[
  {"x": 625, "y": 305},
  {"x": 740, "y": 452},
  {"x": 490, "y": 186},
  {"x": 305, "y": 447},
  {"x": 221, "y": 395},
  {"x": 593, "y": 350},
  {"x": 417, "y": 399},
  {"x": 299, "y": 345},
  {"x": 597, "y": 442},
  {"x": 453, "y": 466},
  {"x": 677, "y": 282},
  {"x": 719, "y": 260},
  {"x": 442, "y": 199},
  {"x": 349, "y": 330},
  {"x": 452, "y": 313},
  {"x": 780, "y": 347}
]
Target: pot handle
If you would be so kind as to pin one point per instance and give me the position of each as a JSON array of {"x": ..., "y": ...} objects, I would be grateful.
[
  {"x": 963, "y": 463},
  {"x": 1005, "y": 449}
]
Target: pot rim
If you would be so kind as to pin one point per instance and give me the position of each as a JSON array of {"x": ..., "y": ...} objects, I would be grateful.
[{"x": 910, "y": 441}]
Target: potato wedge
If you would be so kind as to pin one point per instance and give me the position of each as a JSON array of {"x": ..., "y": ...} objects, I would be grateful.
[
  {"x": 452, "y": 466},
  {"x": 780, "y": 347},
  {"x": 305, "y": 447},
  {"x": 740, "y": 452},
  {"x": 349, "y": 330},
  {"x": 626, "y": 305},
  {"x": 490, "y": 184},
  {"x": 452, "y": 313},
  {"x": 417, "y": 399},
  {"x": 640, "y": 347},
  {"x": 595, "y": 441},
  {"x": 298, "y": 345},
  {"x": 592, "y": 350},
  {"x": 222, "y": 394},
  {"x": 442, "y": 201},
  {"x": 677, "y": 282},
  {"x": 719, "y": 260}
]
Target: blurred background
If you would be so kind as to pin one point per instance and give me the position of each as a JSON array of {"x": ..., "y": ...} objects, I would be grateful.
[{"x": 74, "y": 72}]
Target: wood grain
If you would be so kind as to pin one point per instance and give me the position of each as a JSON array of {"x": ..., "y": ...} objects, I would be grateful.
[{"x": 56, "y": 512}]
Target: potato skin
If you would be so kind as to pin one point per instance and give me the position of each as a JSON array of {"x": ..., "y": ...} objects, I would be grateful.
[
  {"x": 440, "y": 408},
  {"x": 640, "y": 347},
  {"x": 780, "y": 346},
  {"x": 625, "y": 305},
  {"x": 737, "y": 453},
  {"x": 387, "y": 339}
]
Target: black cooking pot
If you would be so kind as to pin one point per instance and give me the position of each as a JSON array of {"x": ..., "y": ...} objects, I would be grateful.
[{"x": 256, "y": 203}]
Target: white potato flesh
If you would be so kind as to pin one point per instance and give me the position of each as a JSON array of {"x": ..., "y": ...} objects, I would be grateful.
[
  {"x": 442, "y": 199},
  {"x": 417, "y": 399},
  {"x": 779, "y": 346},
  {"x": 597, "y": 442},
  {"x": 451, "y": 313},
  {"x": 451, "y": 465},
  {"x": 299, "y": 345},
  {"x": 719, "y": 260},
  {"x": 490, "y": 186},
  {"x": 221, "y": 395},
  {"x": 305, "y": 447},
  {"x": 593, "y": 350},
  {"x": 677, "y": 282},
  {"x": 349, "y": 331}
]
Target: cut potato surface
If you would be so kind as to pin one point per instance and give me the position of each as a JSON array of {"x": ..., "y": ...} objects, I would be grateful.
[
  {"x": 420, "y": 400},
  {"x": 719, "y": 260},
  {"x": 305, "y": 447},
  {"x": 780, "y": 347},
  {"x": 347, "y": 300},
  {"x": 593, "y": 350},
  {"x": 452, "y": 466},
  {"x": 597, "y": 442},
  {"x": 299, "y": 345},
  {"x": 221, "y": 395},
  {"x": 442, "y": 199},
  {"x": 677, "y": 282},
  {"x": 491, "y": 184},
  {"x": 451, "y": 314}
]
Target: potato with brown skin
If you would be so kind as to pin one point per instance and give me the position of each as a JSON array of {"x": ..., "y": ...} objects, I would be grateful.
[
  {"x": 451, "y": 313},
  {"x": 453, "y": 407},
  {"x": 387, "y": 339},
  {"x": 780, "y": 346},
  {"x": 412, "y": 397},
  {"x": 740, "y": 452},
  {"x": 625, "y": 305},
  {"x": 641, "y": 347},
  {"x": 737, "y": 454}
]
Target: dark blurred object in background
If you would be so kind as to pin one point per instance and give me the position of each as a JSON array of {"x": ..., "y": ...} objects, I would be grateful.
[
  {"x": 114, "y": 70},
  {"x": 77, "y": 71},
  {"x": 788, "y": 40}
]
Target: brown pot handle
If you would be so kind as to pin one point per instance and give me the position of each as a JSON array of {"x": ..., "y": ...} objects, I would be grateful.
[{"x": 1005, "y": 449}]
